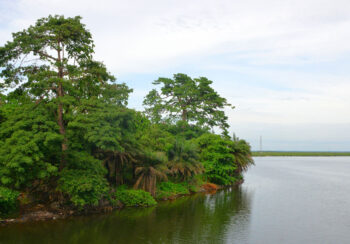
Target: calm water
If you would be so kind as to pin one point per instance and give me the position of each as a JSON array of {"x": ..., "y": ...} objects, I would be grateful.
[{"x": 283, "y": 200}]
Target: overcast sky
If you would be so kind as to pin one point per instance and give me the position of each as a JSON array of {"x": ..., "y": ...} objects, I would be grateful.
[{"x": 284, "y": 64}]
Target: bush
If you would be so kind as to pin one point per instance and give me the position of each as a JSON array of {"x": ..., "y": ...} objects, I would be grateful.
[
  {"x": 193, "y": 187},
  {"x": 29, "y": 142},
  {"x": 83, "y": 187},
  {"x": 217, "y": 156},
  {"x": 8, "y": 200},
  {"x": 135, "y": 198},
  {"x": 194, "y": 184},
  {"x": 168, "y": 189}
]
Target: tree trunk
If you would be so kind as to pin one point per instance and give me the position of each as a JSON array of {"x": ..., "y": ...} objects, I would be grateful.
[
  {"x": 184, "y": 118},
  {"x": 184, "y": 115},
  {"x": 60, "y": 120}
]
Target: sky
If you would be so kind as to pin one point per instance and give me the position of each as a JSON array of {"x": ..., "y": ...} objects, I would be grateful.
[{"x": 284, "y": 65}]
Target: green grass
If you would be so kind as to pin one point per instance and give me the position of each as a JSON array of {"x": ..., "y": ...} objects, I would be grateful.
[
  {"x": 296, "y": 154},
  {"x": 168, "y": 189},
  {"x": 133, "y": 198}
]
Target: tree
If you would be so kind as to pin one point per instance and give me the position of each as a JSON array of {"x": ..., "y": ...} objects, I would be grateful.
[
  {"x": 29, "y": 142},
  {"x": 186, "y": 99},
  {"x": 224, "y": 159},
  {"x": 218, "y": 159},
  {"x": 184, "y": 160},
  {"x": 152, "y": 167},
  {"x": 110, "y": 132},
  {"x": 243, "y": 155},
  {"x": 52, "y": 62}
]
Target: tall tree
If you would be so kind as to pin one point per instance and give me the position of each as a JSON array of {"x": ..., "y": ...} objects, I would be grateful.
[
  {"x": 186, "y": 99},
  {"x": 52, "y": 62}
]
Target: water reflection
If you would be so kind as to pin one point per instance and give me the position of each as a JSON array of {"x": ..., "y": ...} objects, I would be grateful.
[{"x": 220, "y": 218}]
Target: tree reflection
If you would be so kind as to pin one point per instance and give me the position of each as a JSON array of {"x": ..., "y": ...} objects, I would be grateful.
[{"x": 200, "y": 218}]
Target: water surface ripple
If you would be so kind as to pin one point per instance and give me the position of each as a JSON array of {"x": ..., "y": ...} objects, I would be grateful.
[{"x": 283, "y": 200}]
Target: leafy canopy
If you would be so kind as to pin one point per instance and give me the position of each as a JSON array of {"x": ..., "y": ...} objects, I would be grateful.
[
  {"x": 29, "y": 144},
  {"x": 186, "y": 99},
  {"x": 223, "y": 159},
  {"x": 51, "y": 62}
]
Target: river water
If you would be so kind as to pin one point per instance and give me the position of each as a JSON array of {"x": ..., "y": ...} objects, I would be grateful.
[{"x": 283, "y": 200}]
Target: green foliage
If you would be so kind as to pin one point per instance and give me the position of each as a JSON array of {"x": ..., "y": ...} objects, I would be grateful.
[
  {"x": 223, "y": 159},
  {"x": 184, "y": 160},
  {"x": 8, "y": 200},
  {"x": 55, "y": 33},
  {"x": 218, "y": 159},
  {"x": 83, "y": 186},
  {"x": 187, "y": 99},
  {"x": 194, "y": 184},
  {"x": 103, "y": 126},
  {"x": 64, "y": 123},
  {"x": 243, "y": 155},
  {"x": 83, "y": 180},
  {"x": 132, "y": 198},
  {"x": 62, "y": 110},
  {"x": 157, "y": 138},
  {"x": 30, "y": 144},
  {"x": 51, "y": 62},
  {"x": 185, "y": 130},
  {"x": 168, "y": 189},
  {"x": 151, "y": 169}
]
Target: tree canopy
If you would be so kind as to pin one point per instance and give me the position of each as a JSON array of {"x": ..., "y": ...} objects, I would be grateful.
[
  {"x": 51, "y": 62},
  {"x": 186, "y": 99}
]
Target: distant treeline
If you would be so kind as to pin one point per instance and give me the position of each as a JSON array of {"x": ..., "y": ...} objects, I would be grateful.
[{"x": 281, "y": 153}]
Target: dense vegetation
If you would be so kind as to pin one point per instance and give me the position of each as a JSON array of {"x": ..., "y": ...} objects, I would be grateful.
[{"x": 67, "y": 135}]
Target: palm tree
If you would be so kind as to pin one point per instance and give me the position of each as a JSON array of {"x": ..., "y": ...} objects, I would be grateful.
[
  {"x": 152, "y": 169},
  {"x": 115, "y": 161},
  {"x": 183, "y": 160},
  {"x": 243, "y": 155}
]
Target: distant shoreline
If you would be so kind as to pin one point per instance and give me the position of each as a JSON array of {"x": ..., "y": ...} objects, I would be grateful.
[{"x": 299, "y": 154}]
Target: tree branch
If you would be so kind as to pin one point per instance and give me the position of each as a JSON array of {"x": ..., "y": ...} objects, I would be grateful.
[{"x": 47, "y": 55}]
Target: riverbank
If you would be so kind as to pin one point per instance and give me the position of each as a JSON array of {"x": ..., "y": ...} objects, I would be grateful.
[
  {"x": 41, "y": 212},
  {"x": 299, "y": 154}
]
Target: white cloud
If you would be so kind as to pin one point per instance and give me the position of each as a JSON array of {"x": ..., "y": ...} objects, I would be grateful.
[
  {"x": 155, "y": 36},
  {"x": 138, "y": 35}
]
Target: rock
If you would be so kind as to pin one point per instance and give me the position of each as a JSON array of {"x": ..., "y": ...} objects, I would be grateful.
[
  {"x": 55, "y": 205},
  {"x": 39, "y": 207},
  {"x": 38, "y": 215},
  {"x": 104, "y": 203}
]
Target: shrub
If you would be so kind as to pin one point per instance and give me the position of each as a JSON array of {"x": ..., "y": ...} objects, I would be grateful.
[
  {"x": 193, "y": 188},
  {"x": 8, "y": 200},
  {"x": 224, "y": 160},
  {"x": 83, "y": 187},
  {"x": 135, "y": 198},
  {"x": 194, "y": 184},
  {"x": 168, "y": 189},
  {"x": 217, "y": 156},
  {"x": 29, "y": 142}
]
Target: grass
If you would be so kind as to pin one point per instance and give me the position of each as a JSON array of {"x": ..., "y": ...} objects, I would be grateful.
[
  {"x": 298, "y": 154},
  {"x": 169, "y": 189},
  {"x": 133, "y": 198}
]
